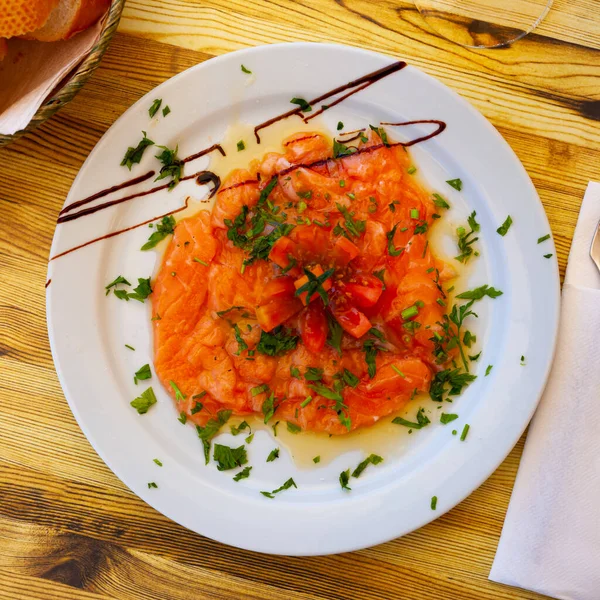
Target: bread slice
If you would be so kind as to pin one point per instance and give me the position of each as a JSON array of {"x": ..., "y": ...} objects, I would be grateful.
[
  {"x": 3, "y": 48},
  {"x": 68, "y": 18},
  {"x": 22, "y": 16}
]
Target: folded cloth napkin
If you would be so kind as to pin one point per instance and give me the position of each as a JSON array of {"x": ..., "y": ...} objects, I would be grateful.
[
  {"x": 550, "y": 541},
  {"x": 32, "y": 70}
]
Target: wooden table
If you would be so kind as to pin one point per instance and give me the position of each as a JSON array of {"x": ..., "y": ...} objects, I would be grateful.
[{"x": 69, "y": 529}]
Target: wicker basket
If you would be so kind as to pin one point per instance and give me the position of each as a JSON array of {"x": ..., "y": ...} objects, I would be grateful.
[{"x": 77, "y": 78}]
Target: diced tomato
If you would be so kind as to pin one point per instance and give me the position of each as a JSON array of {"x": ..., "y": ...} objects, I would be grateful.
[
  {"x": 364, "y": 290},
  {"x": 312, "y": 240},
  {"x": 282, "y": 251},
  {"x": 344, "y": 251},
  {"x": 318, "y": 271},
  {"x": 277, "y": 311},
  {"x": 347, "y": 315},
  {"x": 313, "y": 326},
  {"x": 277, "y": 288}
]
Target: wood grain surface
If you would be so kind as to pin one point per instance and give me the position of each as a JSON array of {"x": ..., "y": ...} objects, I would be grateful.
[{"x": 69, "y": 529}]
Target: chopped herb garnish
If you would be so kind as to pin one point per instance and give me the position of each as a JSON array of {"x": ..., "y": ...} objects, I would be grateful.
[
  {"x": 447, "y": 418},
  {"x": 259, "y": 389},
  {"x": 155, "y": 460},
  {"x": 241, "y": 146},
  {"x": 522, "y": 361},
  {"x": 409, "y": 313},
  {"x": 547, "y": 255},
  {"x": 380, "y": 275},
  {"x": 317, "y": 459},
  {"x": 274, "y": 454},
  {"x": 340, "y": 126},
  {"x": 295, "y": 372},
  {"x": 350, "y": 378},
  {"x": 249, "y": 439},
  {"x": 269, "y": 408},
  {"x": 543, "y": 238},
  {"x": 452, "y": 378},
  {"x": 142, "y": 291},
  {"x": 172, "y": 166},
  {"x": 370, "y": 347},
  {"x": 241, "y": 427},
  {"x": 152, "y": 485},
  {"x": 165, "y": 111},
  {"x": 182, "y": 418},
  {"x": 381, "y": 133},
  {"x": 306, "y": 402},
  {"x": 303, "y": 104},
  {"x": 422, "y": 420},
  {"x": 433, "y": 502},
  {"x": 210, "y": 430},
  {"x": 154, "y": 108},
  {"x": 143, "y": 373},
  {"x": 130, "y": 347},
  {"x": 314, "y": 285},
  {"x": 503, "y": 229},
  {"x": 411, "y": 170},
  {"x": 474, "y": 357},
  {"x": 479, "y": 293},
  {"x": 344, "y": 479},
  {"x": 465, "y": 241},
  {"x": 144, "y": 401},
  {"x": 286, "y": 486},
  {"x": 293, "y": 428},
  {"x": 313, "y": 374},
  {"x": 238, "y": 338},
  {"x": 354, "y": 227},
  {"x": 134, "y": 155},
  {"x": 340, "y": 150},
  {"x": 393, "y": 251},
  {"x": 455, "y": 183},
  {"x": 246, "y": 70},
  {"x": 198, "y": 260},
  {"x": 372, "y": 459},
  {"x": 243, "y": 474},
  {"x": 179, "y": 397},
  {"x": 397, "y": 370},
  {"x": 118, "y": 281},
  {"x": 229, "y": 458},
  {"x": 334, "y": 337},
  {"x": 197, "y": 408},
  {"x": 464, "y": 433},
  {"x": 279, "y": 341},
  {"x": 164, "y": 228},
  {"x": 439, "y": 201}
]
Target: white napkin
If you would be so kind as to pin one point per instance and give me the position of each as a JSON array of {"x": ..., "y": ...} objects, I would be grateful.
[
  {"x": 32, "y": 70},
  {"x": 550, "y": 542}
]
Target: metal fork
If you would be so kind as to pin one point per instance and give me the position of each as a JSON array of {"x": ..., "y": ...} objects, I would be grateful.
[{"x": 595, "y": 249}]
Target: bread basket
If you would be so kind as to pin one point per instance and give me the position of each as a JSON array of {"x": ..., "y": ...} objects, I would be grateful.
[{"x": 77, "y": 78}]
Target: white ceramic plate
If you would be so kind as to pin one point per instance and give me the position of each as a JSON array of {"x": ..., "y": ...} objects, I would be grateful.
[{"x": 88, "y": 330}]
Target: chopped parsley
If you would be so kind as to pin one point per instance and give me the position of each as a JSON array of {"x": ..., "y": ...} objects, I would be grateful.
[
  {"x": 118, "y": 281},
  {"x": 246, "y": 70},
  {"x": 241, "y": 146},
  {"x": 447, "y": 418},
  {"x": 152, "y": 485},
  {"x": 277, "y": 342},
  {"x": 142, "y": 373},
  {"x": 433, "y": 502},
  {"x": 302, "y": 103},
  {"x": 450, "y": 381},
  {"x": 353, "y": 227},
  {"x": 372, "y": 459},
  {"x": 134, "y": 155},
  {"x": 243, "y": 474},
  {"x": 439, "y": 201},
  {"x": 229, "y": 458},
  {"x": 422, "y": 420},
  {"x": 466, "y": 241},
  {"x": 241, "y": 427},
  {"x": 393, "y": 251},
  {"x": 335, "y": 334},
  {"x": 522, "y": 361},
  {"x": 397, "y": 370},
  {"x": 269, "y": 408},
  {"x": 130, "y": 347},
  {"x": 155, "y": 460},
  {"x": 340, "y": 126},
  {"x": 182, "y": 418},
  {"x": 163, "y": 229},
  {"x": 488, "y": 370},
  {"x": 340, "y": 150},
  {"x": 547, "y": 255},
  {"x": 179, "y": 397},
  {"x": 313, "y": 374},
  {"x": 165, "y": 111},
  {"x": 286, "y": 486},
  {"x": 314, "y": 285},
  {"x": 503, "y": 229},
  {"x": 155, "y": 106},
  {"x": 344, "y": 479},
  {"x": 172, "y": 166},
  {"x": 293, "y": 428},
  {"x": 142, "y": 291},
  {"x": 479, "y": 293},
  {"x": 295, "y": 372},
  {"x": 371, "y": 348},
  {"x": 381, "y": 133},
  {"x": 273, "y": 455},
  {"x": 144, "y": 401},
  {"x": 455, "y": 183},
  {"x": 259, "y": 389},
  {"x": 210, "y": 430},
  {"x": 317, "y": 459},
  {"x": 238, "y": 338},
  {"x": 411, "y": 170},
  {"x": 543, "y": 238},
  {"x": 350, "y": 378}
]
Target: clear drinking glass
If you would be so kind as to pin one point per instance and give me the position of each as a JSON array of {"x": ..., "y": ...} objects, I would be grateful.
[{"x": 483, "y": 23}]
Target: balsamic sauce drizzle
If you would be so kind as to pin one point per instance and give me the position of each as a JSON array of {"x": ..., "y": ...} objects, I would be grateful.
[
  {"x": 48, "y": 283},
  {"x": 205, "y": 177},
  {"x": 359, "y": 84}
]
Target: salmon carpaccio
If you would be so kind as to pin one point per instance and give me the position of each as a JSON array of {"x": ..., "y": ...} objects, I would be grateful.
[{"x": 348, "y": 235}]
